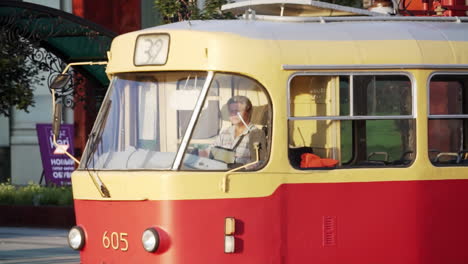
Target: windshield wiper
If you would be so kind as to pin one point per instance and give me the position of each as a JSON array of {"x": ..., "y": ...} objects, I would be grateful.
[{"x": 95, "y": 139}]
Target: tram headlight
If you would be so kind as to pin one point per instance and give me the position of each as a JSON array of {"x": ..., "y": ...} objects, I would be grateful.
[
  {"x": 150, "y": 240},
  {"x": 76, "y": 238}
]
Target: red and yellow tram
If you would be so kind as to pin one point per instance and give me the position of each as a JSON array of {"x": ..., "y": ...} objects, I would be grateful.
[{"x": 360, "y": 153}]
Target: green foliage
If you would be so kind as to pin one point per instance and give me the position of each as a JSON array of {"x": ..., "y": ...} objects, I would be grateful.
[
  {"x": 34, "y": 194},
  {"x": 19, "y": 74},
  {"x": 180, "y": 10},
  {"x": 7, "y": 193},
  {"x": 176, "y": 10},
  {"x": 212, "y": 10}
]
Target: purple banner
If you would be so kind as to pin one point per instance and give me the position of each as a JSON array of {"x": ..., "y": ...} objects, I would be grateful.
[{"x": 57, "y": 167}]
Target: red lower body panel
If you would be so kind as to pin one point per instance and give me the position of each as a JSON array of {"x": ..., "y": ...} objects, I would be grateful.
[{"x": 349, "y": 223}]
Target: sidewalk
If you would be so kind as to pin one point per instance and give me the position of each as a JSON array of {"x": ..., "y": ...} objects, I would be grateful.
[{"x": 35, "y": 246}]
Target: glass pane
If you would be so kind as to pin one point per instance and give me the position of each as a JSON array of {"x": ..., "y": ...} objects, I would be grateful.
[
  {"x": 391, "y": 141},
  {"x": 235, "y": 114},
  {"x": 344, "y": 95},
  {"x": 382, "y": 95},
  {"x": 366, "y": 143},
  {"x": 325, "y": 139},
  {"x": 190, "y": 87},
  {"x": 448, "y": 95},
  {"x": 319, "y": 96},
  {"x": 447, "y": 141},
  {"x": 346, "y": 141},
  {"x": 142, "y": 127}
]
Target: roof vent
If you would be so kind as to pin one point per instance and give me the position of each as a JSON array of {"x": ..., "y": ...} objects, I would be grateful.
[
  {"x": 294, "y": 8},
  {"x": 249, "y": 14}
]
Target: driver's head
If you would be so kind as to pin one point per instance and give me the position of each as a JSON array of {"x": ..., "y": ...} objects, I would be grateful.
[{"x": 242, "y": 105}]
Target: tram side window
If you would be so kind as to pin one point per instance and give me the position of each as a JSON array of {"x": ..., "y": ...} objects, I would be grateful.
[
  {"x": 448, "y": 120},
  {"x": 350, "y": 121}
]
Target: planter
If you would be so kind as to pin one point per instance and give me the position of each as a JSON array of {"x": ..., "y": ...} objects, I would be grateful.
[{"x": 37, "y": 216}]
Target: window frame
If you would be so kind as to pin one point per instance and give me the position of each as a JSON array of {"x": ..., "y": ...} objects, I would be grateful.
[
  {"x": 203, "y": 97},
  {"x": 210, "y": 77},
  {"x": 101, "y": 116},
  {"x": 444, "y": 116},
  {"x": 351, "y": 116},
  {"x": 429, "y": 116}
]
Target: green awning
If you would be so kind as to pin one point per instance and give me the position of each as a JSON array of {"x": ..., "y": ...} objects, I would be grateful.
[{"x": 70, "y": 38}]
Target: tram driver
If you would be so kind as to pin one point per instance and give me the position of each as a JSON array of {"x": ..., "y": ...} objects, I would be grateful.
[{"x": 234, "y": 145}]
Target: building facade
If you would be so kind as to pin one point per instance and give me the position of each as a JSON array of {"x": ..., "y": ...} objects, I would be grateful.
[{"x": 20, "y": 157}]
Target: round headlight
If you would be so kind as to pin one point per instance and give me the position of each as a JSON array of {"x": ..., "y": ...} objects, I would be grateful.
[
  {"x": 76, "y": 238},
  {"x": 150, "y": 240}
]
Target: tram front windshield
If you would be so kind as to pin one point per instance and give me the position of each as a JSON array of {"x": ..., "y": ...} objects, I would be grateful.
[{"x": 145, "y": 116}]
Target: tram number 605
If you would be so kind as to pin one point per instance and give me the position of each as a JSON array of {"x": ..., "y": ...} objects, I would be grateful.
[{"x": 115, "y": 240}]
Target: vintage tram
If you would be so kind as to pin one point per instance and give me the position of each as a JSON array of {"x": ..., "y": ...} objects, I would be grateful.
[{"x": 359, "y": 153}]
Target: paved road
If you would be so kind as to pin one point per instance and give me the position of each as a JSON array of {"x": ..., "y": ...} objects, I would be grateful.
[{"x": 35, "y": 246}]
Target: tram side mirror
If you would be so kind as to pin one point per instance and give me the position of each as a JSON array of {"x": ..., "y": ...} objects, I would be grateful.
[
  {"x": 57, "y": 119},
  {"x": 60, "y": 81}
]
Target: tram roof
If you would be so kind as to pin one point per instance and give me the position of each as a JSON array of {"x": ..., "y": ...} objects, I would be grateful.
[
  {"x": 351, "y": 41},
  {"x": 296, "y": 8},
  {"x": 329, "y": 29}
]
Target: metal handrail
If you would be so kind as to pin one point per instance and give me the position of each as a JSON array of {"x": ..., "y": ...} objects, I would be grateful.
[{"x": 360, "y": 19}]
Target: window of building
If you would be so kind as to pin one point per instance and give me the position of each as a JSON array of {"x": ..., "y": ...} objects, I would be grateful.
[
  {"x": 448, "y": 120},
  {"x": 350, "y": 120}
]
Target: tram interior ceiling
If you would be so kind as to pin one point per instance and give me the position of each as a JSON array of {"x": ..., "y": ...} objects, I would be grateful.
[{"x": 58, "y": 38}]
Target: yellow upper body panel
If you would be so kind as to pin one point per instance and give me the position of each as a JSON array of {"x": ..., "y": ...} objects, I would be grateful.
[
  {"x": 262, "y": 51},
  {"x": 260, "y": 48}
]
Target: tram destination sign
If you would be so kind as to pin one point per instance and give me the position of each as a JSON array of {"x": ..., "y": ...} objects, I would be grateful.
[
  {"x": 57, "y": 167},
  {"x": 151, "y": 49}
]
